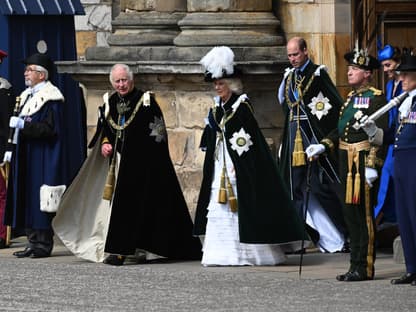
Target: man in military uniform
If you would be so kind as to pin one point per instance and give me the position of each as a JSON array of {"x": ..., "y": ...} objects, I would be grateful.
[
  {"x": 311, "y": 105},
  {"x": 359, "y": 163},
  {"x": 402, "y": 135},
  {"x": 6, "y": 106}
]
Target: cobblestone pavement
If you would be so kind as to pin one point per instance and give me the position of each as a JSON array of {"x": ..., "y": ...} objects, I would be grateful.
[{"x": 66, "y": 283}]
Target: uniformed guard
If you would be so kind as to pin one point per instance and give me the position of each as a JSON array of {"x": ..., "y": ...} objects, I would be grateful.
[
  {"x": 403, "y": 137},
  {"x": 359, "y": 163}
]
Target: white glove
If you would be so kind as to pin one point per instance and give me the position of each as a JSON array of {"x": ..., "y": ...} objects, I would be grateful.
[
  {"x": 7, "y": 156},
  {"x": 16, "y": 122},
  {"x": 370, "y": 127},
  {"x": 314, "y": 150},
  {"x": 370, "y": 175}
]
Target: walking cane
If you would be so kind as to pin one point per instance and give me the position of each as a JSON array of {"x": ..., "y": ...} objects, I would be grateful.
[{"x": 306, "y": 205}]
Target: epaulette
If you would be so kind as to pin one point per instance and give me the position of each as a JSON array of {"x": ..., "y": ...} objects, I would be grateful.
[{"x": 376, "y": 91}]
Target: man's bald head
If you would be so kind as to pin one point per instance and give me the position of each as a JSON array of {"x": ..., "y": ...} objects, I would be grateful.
[{"x": 297, "y": 51}]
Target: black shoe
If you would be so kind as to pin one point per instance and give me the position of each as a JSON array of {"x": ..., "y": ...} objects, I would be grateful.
[
  {"x": 355, "y": 277},
  {"x": 341, "y": 277},
  {"x": 3, "y": 243},
  {"x": 114, "y": 260},
  {"x": 39, "y": 253},
  {"x": 23, "y": 253},
  {"x": 407, "y": 278}
]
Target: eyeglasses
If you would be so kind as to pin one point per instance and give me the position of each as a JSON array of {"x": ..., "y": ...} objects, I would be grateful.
[{"x": 28, "y": 69}]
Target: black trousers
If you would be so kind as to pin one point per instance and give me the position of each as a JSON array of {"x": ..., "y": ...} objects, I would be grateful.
[{"x": 40, "y": 239}]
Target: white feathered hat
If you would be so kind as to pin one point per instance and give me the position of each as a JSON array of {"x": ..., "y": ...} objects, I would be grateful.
[{"x": 219, "y": 63}]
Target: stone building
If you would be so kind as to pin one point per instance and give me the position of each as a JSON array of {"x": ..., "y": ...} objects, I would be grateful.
[{"x": 163, "y": 40}]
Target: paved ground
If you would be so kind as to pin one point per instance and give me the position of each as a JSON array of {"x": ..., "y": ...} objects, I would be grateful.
[{"x": 65, "y": 283}]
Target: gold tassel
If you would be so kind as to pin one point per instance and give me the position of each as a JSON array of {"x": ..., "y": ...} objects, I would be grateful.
[
  {"x": 222, "y": 195},
  {"x": 110, "y": 181},
  {"x": 356, "y": 197},
  {"x": 348, "y": 189},
  {"x": 231, "y": 197},
  {"x": 298, "y": 155}
]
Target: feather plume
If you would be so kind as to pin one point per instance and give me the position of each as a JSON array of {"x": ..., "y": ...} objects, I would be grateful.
[{"x": 219, "y": 62}]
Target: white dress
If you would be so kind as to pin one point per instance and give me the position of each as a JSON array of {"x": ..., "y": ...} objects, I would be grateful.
[{"x": 222, "y": 241}]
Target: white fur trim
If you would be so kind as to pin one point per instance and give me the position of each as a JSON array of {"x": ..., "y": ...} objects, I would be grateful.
[
  {"x": 318, "y": 70},
  {"x": 4, "y": 84},
  {"x": 50, "y": 197},
  {"x": 237, "y": 103},
  {"x": 48, "y": 93},
  {"x": 106, "y": 97}
]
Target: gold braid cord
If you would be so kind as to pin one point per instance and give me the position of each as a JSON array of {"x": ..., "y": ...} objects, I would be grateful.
[
  {"x": 298, "y": 154},
  {"x": 128, "y": 121},
  {"x": 370, "y": 229},
  {"x": 226, "y": 192},
  {"x": 288, "y": 83}
]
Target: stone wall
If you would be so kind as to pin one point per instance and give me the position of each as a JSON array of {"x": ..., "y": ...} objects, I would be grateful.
[
  {"x": 94, "y": 27},
  {"x": 326, "y": 26}
]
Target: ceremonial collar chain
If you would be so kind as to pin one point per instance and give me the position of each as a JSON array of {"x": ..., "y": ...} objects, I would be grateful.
[
  {"x": 300, "y": 95},
  {"x": 128, "y": 121}
]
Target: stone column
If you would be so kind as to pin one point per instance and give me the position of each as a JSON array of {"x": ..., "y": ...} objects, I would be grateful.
[
  {"x": 235, "y": 23},
  {"x": 147, "y": 22}
]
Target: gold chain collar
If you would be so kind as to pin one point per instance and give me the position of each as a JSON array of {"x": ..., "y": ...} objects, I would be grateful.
[
  {"x": 300, "y": 98},
  {"x": 128, "y": 122}
]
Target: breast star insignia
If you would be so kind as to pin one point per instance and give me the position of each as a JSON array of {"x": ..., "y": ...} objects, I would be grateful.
[{"x": 320, "y": 105}]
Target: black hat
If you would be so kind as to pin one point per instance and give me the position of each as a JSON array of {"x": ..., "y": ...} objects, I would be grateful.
[
  {"x": 361, "y": 59},
  {"x": 42, "y": 60},
  {"x": 219, "y": 64},
  {"x": 408, "y": 63}
]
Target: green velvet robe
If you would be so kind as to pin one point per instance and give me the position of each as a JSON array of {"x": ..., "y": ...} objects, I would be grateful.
[{"x": 265, "y": 213}]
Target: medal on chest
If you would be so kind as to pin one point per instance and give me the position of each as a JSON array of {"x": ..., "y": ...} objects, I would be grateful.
[
  {"x": 361, "y": 102},
  {"x": 320, "y": 106}
]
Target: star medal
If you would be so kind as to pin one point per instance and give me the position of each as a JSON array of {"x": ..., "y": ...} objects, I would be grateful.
[
  {"x": 241, "y": 142},
  {"x": 158, "y": 129},
  {"x": 320, "y": 105}
]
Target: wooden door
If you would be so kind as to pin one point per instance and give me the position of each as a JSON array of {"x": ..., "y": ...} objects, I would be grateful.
[{"x": 385, "y": 22}]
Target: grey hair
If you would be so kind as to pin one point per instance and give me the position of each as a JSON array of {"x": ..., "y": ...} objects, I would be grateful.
[
  {"x": 235, "y": 85},
  {"x": 43, "y": 70},
  {"x": 123, "y": 66}
]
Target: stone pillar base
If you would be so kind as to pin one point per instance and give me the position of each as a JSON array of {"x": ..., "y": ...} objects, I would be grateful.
[
  {"x": 145, "y": 28},
  {"x": 229, "y": 28}
]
